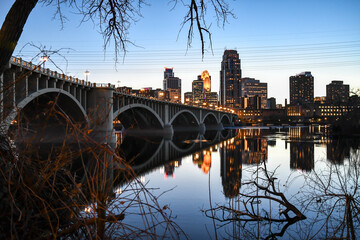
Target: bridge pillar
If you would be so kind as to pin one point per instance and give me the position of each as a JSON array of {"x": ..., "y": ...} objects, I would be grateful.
[
  {"x": 100, "y": 112},
  {"x": 202, "y": 128},
  {"x": 166, "y": 113},
  {"x": 168, "y": 131}
]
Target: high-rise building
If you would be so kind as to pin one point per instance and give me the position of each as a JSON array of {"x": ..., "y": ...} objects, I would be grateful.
[
  {"x": 205, "y": 76},
  {"x": 211, "y": 99},
  {"x": 230, "y": 76},
  {"x": 168, "y": 72},
  {"x": 337, "y": 92},
  {"x": 302, "y": 88},
  {"x": 255, "y": 91},
  {"x": 188, "y": 98},
  {"x": 198, "y": 91},
  {"x": 172, "y": 84},
  {"x": 271, "y": 103}
]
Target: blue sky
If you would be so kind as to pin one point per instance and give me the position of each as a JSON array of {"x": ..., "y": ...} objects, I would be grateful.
[{"x": 275, "y": 39}]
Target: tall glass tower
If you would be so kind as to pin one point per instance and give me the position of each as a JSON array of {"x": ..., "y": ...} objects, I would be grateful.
[
  {"x": 230, "y": 77},
  {"x": 172, "y": 84}
]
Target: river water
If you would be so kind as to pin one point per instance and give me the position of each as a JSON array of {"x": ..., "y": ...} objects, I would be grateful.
[{"x": 207, "y": 183}]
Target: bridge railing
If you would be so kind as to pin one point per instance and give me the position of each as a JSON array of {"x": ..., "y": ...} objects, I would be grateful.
[
  {"x": 104, "y": 85},
  {"x": 218, "y": 109},
  {"x": 38, "y": 68}
]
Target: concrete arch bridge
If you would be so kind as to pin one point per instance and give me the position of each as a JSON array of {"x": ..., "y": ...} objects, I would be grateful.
[{"x": 28, "y": 90}]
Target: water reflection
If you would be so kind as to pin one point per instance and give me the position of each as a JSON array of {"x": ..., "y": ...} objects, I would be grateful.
[
  {"x": 93, "y": 187},
  {"x": 146, "y": 154},
  {"x": 231, "y": 159}
]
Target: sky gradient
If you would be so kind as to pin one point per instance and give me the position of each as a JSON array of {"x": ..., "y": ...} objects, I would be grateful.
[{"x": 275, "y": 40}]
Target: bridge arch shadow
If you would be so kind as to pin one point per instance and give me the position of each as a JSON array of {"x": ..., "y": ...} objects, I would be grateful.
[
  {"x": 225, "y": 120},
  {"x": 138, "y": 116},
  {"x": 64, "y": 101},
  {"x": 49, "y": 116},
  {"x": 184, "y": 121}
]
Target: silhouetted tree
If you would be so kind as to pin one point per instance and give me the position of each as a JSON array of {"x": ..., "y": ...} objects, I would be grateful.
[
  {"x": 115, "y": 18},
  {"x": 332, "y": 193}
]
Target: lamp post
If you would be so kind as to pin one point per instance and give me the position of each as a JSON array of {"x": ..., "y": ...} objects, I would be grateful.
[
  {"x": 87, "y": 73},
  {"x": 44, "y": 58}
]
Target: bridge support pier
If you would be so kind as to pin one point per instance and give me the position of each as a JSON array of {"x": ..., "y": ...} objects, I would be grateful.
[
  {"x": 168, "y": 131},
  {"x": 100, "y": 114},
  {"x": 202, "y": 128}
]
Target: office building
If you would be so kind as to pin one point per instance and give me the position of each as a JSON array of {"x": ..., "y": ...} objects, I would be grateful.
[
  {"x": 230, "y": 76},
  {"x": 198, "y": 91},
  {"x": 337, "y": 92},
  {"x": 172, "y": 84},
  {"x": 211, "y": 99},
  {"x": 188, "y": 97},
  {"x": 302, "y": 88},
  {"x": 255, "y": 92},
  {"x": 205, "y": 76},
  {"x": 168, "y": 72},
  {"x": 271, "y": 103}
]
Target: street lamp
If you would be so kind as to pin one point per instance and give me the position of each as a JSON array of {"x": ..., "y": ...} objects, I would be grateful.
[
  {"x": 44, "y": 58},
  {"x": 87, "y": 73}
]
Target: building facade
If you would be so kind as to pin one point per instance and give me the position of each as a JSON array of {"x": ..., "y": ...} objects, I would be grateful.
[
  {"x": 211, "y": 99},
  {"x": 230, "y": 76},
  {"x": 188, "y": 97},
  {"x": 337, "y": 92},
  {"x": 198, "y": 91},
  {"x": 205, "y": 76},
  {"x": 253, "y": 93},
  {"x": 172, "y": 84},
  {"x": 301, "y": 88},
  {"x": 271, "y": 103}
]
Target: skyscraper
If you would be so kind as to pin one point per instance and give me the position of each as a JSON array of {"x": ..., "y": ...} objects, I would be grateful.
[
  {"x": 230, "y": 76},
  {"x": 168, "y": 72},
  {"x": 205, "y": 76},
  {"x": 172, "y": 84},
  {"x": 198, "y": 91},
  {"x": 254, "y": 90},
  {"x": 337, "y": 92},
  {"x": 302, "y": 88}
]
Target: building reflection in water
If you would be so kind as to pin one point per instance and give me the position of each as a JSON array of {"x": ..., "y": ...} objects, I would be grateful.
[
  {"x": 337, "y": 151},
  {"x": 248, "y": 147},
  {"x": 169, "y": 168},
  {"x": 301, "y": 149},
  {"x": 203, "y": 160}
]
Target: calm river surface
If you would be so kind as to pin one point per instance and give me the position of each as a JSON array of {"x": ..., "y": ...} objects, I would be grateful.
[{"x": 214, "y": 174}]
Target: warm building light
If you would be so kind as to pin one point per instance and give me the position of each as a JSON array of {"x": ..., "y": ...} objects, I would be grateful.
[{"x": 205, "y": 76}]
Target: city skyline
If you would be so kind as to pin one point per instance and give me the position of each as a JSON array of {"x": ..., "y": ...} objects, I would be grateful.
[{"x": 274, "y": 41}]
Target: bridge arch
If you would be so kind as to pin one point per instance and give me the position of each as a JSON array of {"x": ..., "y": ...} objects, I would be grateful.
[
  {"x": 225, "y": 120},
  {"x": 23, "y": 103},
  {"x": 210, "y": 115},
  {"x": 141, "y": 106},
  {"x": 182, "y": 112},
  {"x": 188, "y": 148}
]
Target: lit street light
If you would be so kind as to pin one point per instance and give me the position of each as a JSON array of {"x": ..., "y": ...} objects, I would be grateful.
[
  {"x": 87, "y": 73},
  {"x": 44, "y": 58}
]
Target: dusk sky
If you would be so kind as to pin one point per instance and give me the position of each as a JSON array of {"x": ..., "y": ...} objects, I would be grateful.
[{"x": 275, "y": 39}]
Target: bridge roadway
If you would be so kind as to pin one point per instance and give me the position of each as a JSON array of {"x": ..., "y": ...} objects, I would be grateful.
[{"x": 99, "y": 106}]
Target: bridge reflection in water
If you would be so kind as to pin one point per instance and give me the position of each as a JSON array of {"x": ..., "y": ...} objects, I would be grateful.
[{"x": 146, "y": 153}]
